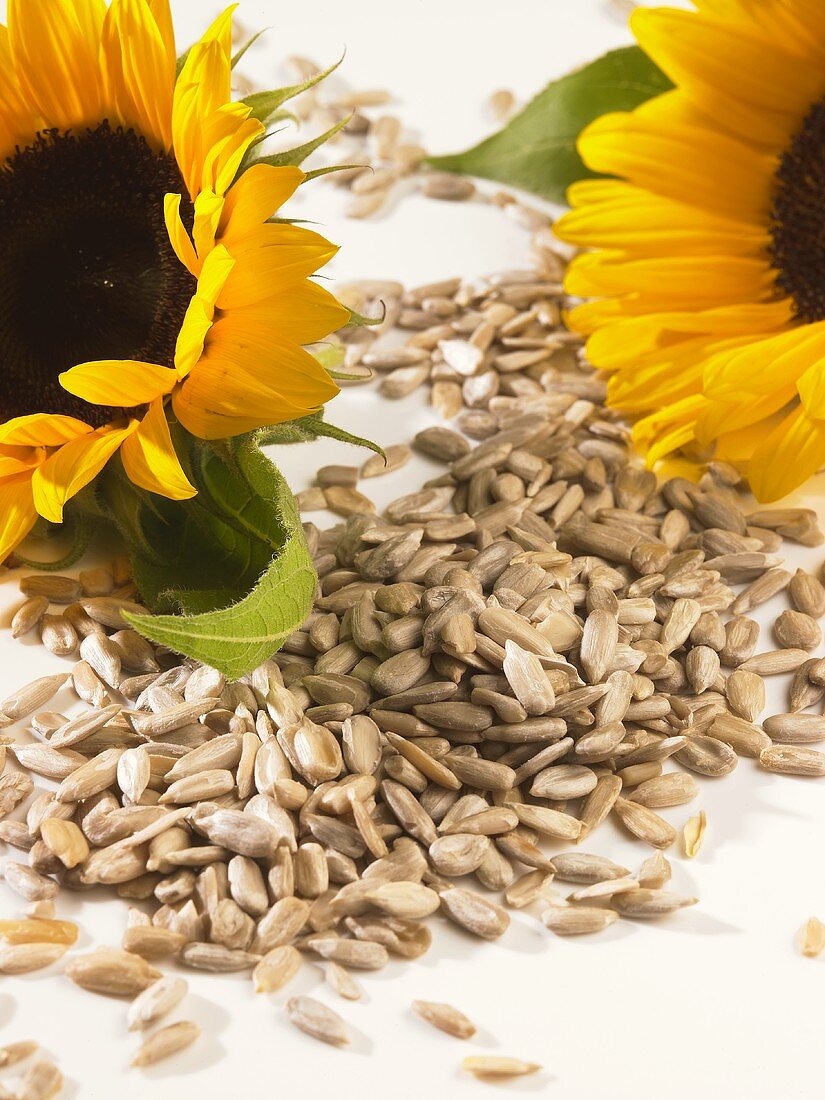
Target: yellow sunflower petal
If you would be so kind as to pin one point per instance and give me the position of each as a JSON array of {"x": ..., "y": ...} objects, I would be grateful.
[
  {"x": 302, "y": 314},
  {"x": 54, "y": 47},
  {"x": 255, "y": 197},
  {"x": 670, "y": 428},
  {"x": 196, "y": 324},
  {"x": 747, "y": 414},
  {"x": 247, "y": 380},
  {"x": 178, "y": 237},
  {"x": 223, "y": 157},
  {"x": 17, "y": 512},
  {"x": 797, "y": 24},
  {"x": 667, "y": 282},
  {"x": 789, "y": 455},
  {"x": 811, "y": 389},
  {"x": 71, "y": 468},
  {"x": 202, "y": 87},
  {"x": 18, "y": 460},
  {"x": 42, "y": 430},
  {"x": 162, "y": 15},
  {"x": 17, "y": 115},
  {"x": 140, "y": 72},
  {"x": 682, "y": 163},
  {"x": 749, "y": 85},
  {"x": 639, "y": 223},
  {"x": 119, "y": 382},
  {"x": 201, "y": 309},
  {"x": 208, "y": 207},
  {"x": 623, "y": 342},
  {"x": 271, "y": 259},
  {"x": 764, "y": 364},
  {"x": 149, "y": 457},
  {"x": 669, "y": 377}
]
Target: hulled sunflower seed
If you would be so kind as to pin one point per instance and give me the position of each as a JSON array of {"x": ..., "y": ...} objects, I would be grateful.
[
  {"x": 644, "y": 904},
  {"x": 317, "y": 1020},
  {"x": 155, "y": 1001},
  {"x": 793, "y": 760},
  {"x": 167, "y": 1041},
  {"x": 812, "y": 938},
  {"x": 113, "y": 972},
  {"x": 495, "y": 1065},
  {"x": 693, "y": 834},
  {"x": 577, "y": 920},
  {"x": 445, "y": 1018}
]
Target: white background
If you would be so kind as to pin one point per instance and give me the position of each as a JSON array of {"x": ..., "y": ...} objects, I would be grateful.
[{"x": 713, "y": 1001}]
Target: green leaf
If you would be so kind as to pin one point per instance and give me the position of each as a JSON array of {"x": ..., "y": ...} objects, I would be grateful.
[
  {"x": 321, "y": 428},
  {"x": 227, "y": 573},
  {"x": 330, "y": 168},
  {"x": 236, "y": 57},
  {"x": 357, "y": 321},
  {"x": 299, "y": 154},
  {"x": 536, "y": 150},
  {"x": 265, "y": 104}
]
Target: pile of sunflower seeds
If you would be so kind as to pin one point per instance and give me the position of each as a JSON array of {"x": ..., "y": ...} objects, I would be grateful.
[{"x": 539, "y": 638}]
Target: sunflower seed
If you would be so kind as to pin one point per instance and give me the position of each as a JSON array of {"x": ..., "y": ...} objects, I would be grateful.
[
  {"x": 474, "y": 913},
  {"x": 22, "y": 958},
  {"x": 577, "y": 920},
  {"x": 28, "y": 699},
  {"x": 155, "y": 1001},
  {"x": 42, "y": 1081},
  {"x": 643, "y": 904},
  {"x": 445, "y": 1018},
  {"x": 317, "y": 1020},
  {"x": 672, "y": 789},
  {"x": 28, "y": 616},
  {"x": 693, "y": 834},
  {"x": 65, "y": 840},
  {"x": 169, "y": 1040},
  {"x": 13, "y": 1053},
  {"x": 793, "y": 760},
  {"x": 52, "y": 586},
  {"x": 812, "y": 938},
  {"x": 495, "y": 1065},
  {"x": 342, "y": 982},
  {"x": 644, "y": 823},
  {"x": 276, "y": 969},
  {"x": 110, "y": 971}
]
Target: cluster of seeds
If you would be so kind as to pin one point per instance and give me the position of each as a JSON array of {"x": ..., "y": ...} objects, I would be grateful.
[
  {"x": 505, "y": 657},
  {"x": 539, "y": 638}
]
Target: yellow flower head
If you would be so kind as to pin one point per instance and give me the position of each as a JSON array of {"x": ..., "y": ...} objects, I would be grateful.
[
  {"x": 709, "y": 274},
  {"x": 138, "y": 268}
]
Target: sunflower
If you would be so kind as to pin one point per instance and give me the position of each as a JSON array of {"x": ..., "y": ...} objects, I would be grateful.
[
  {"x": 139, "y": 266},
  {"x": 709, "y": 270}
]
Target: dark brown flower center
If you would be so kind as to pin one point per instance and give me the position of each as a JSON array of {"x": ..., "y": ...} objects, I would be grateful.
[
  {"x": 798, "y": 219},
  {"x": 86, "y": 267}
]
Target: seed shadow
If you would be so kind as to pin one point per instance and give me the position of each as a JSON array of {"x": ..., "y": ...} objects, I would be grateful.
[
  {"x": 7, "y": 1007},
  {"x": 533, "y": 1082},
  {"x": 695, "y": 922},
  {"x": 70, "y": 1089},
  {"x": 619, "y": 930}
]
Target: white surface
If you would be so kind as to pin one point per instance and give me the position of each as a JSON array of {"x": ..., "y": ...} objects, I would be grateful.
[{"x": 713, "y": 1001}]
